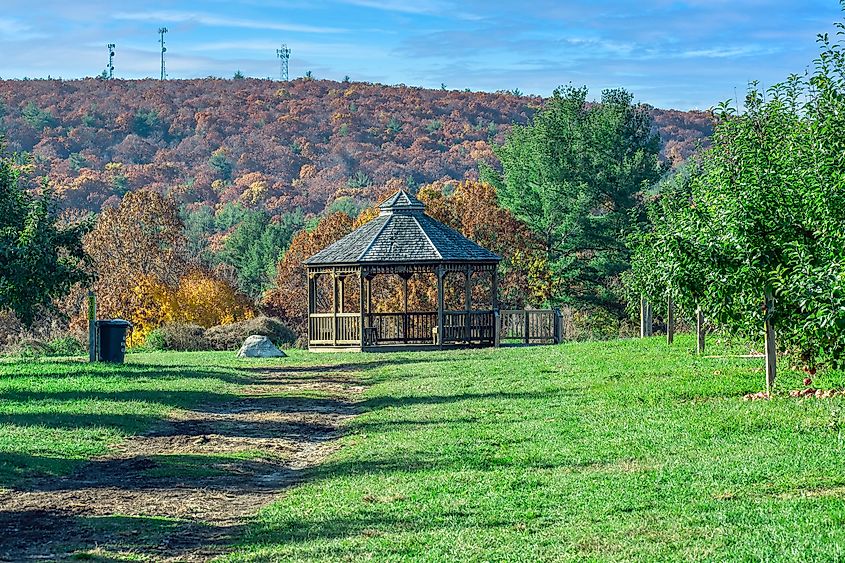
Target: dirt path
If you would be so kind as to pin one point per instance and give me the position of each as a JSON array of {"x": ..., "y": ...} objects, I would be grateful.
[{"x": 185, "y": 490}]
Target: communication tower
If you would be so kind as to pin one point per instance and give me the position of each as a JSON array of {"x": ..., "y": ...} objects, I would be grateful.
[
  {"x": 284, "y": 57},
  {"x": 161, "y": 32},
  {"x": 110, "y": 68}
]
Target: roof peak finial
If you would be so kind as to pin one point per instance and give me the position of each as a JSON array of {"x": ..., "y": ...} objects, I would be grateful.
[{"x": 401, "y": 201}]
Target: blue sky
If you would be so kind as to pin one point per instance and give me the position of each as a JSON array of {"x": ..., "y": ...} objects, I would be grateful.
[{"x": 679, "y": 54}]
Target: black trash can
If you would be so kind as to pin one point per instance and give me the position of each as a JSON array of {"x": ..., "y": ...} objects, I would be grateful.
[{"x": 111, "y": 343}]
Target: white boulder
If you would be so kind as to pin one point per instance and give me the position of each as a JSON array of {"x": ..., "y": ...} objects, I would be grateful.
[{"x": 257, "y": 346}]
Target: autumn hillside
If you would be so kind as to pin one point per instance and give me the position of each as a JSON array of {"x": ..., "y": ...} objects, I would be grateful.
[{"x": 264, "y": 143}]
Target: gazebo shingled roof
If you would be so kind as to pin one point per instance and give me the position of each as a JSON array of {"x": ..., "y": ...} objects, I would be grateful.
[{"x": 401, "y": 234}]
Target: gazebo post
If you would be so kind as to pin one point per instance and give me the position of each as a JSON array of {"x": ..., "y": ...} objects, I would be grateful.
[
  {"x": 494, "y": 303},
  {"x": 334, "y": 306},
  {"x": 312, "y": 301},
  {"x": 369, "y": 287},
  {"x": 467, "y": 302},
  {"x": 405, "y": 316},
  {"x": 341, "y": 286},
  {"x": 405, "y": 277},
  {"x": 440, "y": 316},
  {"x": 361, "y": 303}
]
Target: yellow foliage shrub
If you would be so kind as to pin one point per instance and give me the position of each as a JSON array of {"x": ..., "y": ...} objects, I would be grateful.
[
  {"x": 542, "y": 284},
  {"x": 152, "y": 299},
  {"x": 200, "y": 299},
  {"x": 207, "y": 301}
]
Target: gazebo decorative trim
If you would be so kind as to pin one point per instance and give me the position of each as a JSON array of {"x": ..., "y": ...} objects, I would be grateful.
[{"x": 401, "y": 241}]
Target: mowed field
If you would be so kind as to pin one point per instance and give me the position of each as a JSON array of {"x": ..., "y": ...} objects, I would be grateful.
[{"x": 626, "y": 450}]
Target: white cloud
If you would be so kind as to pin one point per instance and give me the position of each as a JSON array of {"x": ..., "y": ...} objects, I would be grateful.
[
  {"x": 397, "y": 6},
  {"x": 428, "y": 7},
  {"x": 11, "y": 29},
  {"x": 725, "y": 52},
  {"x": 166, "y": 16}
]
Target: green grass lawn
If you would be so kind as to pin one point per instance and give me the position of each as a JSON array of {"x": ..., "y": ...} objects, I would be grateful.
[
  {"x": 625, "y": 450},
  {"x": 601, "y": 451}
]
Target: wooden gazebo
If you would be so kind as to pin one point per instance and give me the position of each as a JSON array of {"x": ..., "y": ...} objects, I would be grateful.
[{"x": 401, "y": 241}]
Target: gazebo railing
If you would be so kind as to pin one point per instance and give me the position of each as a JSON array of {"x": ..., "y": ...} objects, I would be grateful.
[
  {"x": 333, "y": 329},
  {"x": 420, "y": 327},
  {"x": 411, "y": 328}
]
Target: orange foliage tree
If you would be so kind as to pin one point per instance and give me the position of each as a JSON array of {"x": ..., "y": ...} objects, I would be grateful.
[
  {"x": 144, "y": 274},
  {"x": 471, "y": 208},
  {"x": 140, "y": 241}
]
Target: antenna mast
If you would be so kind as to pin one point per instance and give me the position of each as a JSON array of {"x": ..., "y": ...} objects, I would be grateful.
[
  {"x": 110, "y": 68},
  {"x": 284, "y": 57},
  {"x": 161, "y": 32}
]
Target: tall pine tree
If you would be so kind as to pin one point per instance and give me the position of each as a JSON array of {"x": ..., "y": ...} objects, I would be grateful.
[{"x": 575, "y": 176}]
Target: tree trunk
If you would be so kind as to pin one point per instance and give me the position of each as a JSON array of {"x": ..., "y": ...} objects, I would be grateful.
[
  {"x": 670, "y": 319},
  {"x": 699, "y": 331},
  {"x": 771, "y": 346}
]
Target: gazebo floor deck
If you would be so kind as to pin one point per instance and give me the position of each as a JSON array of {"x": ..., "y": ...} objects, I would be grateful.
[{"x": 399, "y": 347}]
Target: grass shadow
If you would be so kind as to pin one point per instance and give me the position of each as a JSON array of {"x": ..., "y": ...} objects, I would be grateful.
[
  {"x": 171, "y": 398},
  {"x": 16, "y": 468},
  {"x": 250, "y": 472}
]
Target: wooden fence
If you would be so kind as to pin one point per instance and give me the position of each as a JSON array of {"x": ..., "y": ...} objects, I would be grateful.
[{"x": 530, "y": 326}]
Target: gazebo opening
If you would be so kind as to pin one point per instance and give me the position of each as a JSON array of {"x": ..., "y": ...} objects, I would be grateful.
[{"x": 402, "y": 280}]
